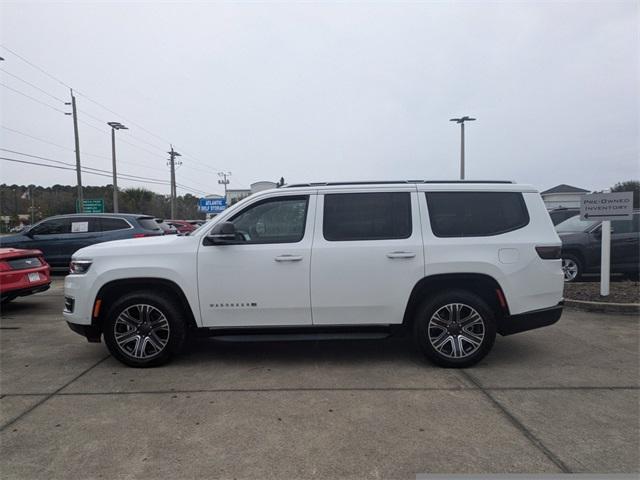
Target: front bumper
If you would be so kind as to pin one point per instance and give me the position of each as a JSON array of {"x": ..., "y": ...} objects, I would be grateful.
[{"x": 523, "y": 322}]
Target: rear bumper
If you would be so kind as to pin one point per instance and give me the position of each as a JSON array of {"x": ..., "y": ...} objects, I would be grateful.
[
  {"x": 530, "y": 320},
  {"x": 91, "y": 333},
  {"x": 23, "y": 292},
  {"x": 16, "y": 283}
]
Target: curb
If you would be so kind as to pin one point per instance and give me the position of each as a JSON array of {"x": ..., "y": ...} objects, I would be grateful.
[{"x": 603, "y": 307}]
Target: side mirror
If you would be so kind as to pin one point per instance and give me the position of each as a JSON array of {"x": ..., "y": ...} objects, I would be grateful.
[
  {"x": 223, "y": 233},
  {"x": 29, "y": 232}
]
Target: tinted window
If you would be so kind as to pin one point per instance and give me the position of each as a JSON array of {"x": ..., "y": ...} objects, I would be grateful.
[
  {"x": 574, "y": 224},
  {"x": 61, "y": 226},
  {"x": 54, "y": 226},
  {"x": 276, "y": 220},
  {"x": 148, "y": 223},
  {"x": 626, "y": 226},
  {"x": 475, "y": 214},
  {"x": 367, "y": 216},
  {"x": 108, "y": 224},
  {"x": 561, "y": 216}
]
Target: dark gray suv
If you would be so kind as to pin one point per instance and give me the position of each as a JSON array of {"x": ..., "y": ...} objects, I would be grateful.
[
  {"x": 60, "y": 236},
  {"x": 581, "y": 246}
]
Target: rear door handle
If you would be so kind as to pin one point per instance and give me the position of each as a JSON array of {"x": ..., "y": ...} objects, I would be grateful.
[
  {"x": 401, "y": 255},
  {"x": 288, "y": 258}
]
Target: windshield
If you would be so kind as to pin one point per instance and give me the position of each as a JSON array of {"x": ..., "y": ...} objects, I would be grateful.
[{"x": 574, "y": 224}]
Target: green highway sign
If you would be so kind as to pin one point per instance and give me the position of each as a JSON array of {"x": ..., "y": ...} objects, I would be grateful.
[{"x": 91, "y": 206}]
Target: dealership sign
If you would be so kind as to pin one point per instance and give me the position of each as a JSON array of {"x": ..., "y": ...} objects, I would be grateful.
[{"x": 607, "y": 206}]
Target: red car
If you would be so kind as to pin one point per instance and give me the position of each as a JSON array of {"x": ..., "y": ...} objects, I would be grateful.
[
  {"x": 181, "y": 225},
  {"x": 22, "y": 272}
]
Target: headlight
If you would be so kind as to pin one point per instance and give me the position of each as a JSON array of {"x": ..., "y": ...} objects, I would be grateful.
[{"x": 79, "y": 267}]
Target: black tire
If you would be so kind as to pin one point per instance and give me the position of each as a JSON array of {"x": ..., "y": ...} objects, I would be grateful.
[
  {"x": 459, "y": 336},
  {"x": 5, "y": 301},
  {"x": 173, "y": 334},
  {"x": 570, "y": 260}
]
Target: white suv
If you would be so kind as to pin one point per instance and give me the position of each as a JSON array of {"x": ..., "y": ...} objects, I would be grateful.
[{"x": 453, "y": 262}]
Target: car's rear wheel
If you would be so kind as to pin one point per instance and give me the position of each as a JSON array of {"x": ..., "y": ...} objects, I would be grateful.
[
  {"x": 144, "y": 329},
  {"x": 455, "y": 329},
  {"x": 571, "y": 267}
]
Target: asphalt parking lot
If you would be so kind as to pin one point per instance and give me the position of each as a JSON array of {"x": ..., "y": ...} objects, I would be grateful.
[{"x": 560, "y": 399}]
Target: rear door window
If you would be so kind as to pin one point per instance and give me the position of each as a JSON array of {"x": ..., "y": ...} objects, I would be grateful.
[
  {"x": 367, "y": 216},
  {"x": 476, "y": 214},
  {"x": 84, "y": 225}
]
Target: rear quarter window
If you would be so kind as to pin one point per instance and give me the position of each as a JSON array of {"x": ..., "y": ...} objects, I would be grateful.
[
  {"x": 476, "y": 214},
  {"x": 149, "y": 223},
  {"x": 109, "y": 224}
]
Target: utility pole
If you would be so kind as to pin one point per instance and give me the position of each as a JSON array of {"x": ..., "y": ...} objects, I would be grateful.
[
  {"x": 33, "y": 206},
  {"x": 77, "y": 143},
  {"x": 224, "y": 180},
  {"x": 461, "y": 121},
  {"x": 172, "y": 165},
  {"x": 115, "y": 126}
]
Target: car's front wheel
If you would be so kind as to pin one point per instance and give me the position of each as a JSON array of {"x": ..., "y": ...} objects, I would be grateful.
[
  {"x": 455, "y": 329},
  {"x": 144, "y": 329}
]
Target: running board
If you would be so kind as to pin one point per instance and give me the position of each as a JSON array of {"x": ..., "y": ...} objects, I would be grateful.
[
  {"x": 300, "y": 337},
  {"x": 311, "y": 333}
]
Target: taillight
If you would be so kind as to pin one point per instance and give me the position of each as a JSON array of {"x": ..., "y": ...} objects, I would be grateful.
[
  {"x": 5, "y": 267},
  {"x": 548, "y": 253},
  {"x": 139, "y": 235}
]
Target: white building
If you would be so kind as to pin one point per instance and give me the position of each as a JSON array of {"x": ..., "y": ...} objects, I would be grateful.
[
  {"x": 564, "y": 196},
  {"x": 237, "y": 194}
]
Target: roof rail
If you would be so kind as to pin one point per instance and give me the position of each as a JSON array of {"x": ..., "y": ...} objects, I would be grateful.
[{"x": 389, "y": 182}]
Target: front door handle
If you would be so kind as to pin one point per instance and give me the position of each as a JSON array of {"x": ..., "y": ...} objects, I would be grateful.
[
  {"x": 288, "y": 258},
  {"x": 401, "y": 255}
]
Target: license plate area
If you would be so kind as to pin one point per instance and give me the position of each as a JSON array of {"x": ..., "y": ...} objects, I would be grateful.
[{"x": 34, "y": 277}]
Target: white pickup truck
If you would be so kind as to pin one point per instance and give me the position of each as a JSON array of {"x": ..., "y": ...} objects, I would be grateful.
[{"x": 455, "y": 262}]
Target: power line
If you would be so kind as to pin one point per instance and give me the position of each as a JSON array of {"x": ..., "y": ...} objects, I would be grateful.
[
  {"x": 35, "y": 66},
  {"x": 72, "y": 169},
  {"x": 88, "y": 168},
  {"x": 124, "y": 176},
  {"x": 33, "y": 98},
  {"x": 53, "y": 77},
  {"x": 34, "y": 86},
  {"x": 35, "y": 138},
  {"x": 141, "y": 165}
]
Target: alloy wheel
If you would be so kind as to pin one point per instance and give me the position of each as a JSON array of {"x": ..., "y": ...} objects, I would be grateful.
[
  {"x": 569, "y": 269},
  {"x": 456, "y": 330},
  {"x": 141, "y": 331}
]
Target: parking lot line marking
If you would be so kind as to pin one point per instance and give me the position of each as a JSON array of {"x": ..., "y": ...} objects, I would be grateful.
[
  {"x": 327, "y": 389},
  {"x": 48, "y": 396},
  {"x": 519, "y": 425}
]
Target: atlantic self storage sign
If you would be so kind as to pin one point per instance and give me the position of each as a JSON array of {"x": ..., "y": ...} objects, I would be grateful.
[{"x": 607, "y": 206}]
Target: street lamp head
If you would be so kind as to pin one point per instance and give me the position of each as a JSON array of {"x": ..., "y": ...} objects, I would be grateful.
[
  {"x": 117, "y": 126},
  {"x": 462, "y": 119}
]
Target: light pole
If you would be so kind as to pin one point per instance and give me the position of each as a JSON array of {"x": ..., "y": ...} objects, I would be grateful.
[
  {"x": 115, "y": 126},
  {"x": 461, "y": 121}
]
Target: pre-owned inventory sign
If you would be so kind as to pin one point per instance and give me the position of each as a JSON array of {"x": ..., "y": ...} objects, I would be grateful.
[{"x": 607, "y": 206}]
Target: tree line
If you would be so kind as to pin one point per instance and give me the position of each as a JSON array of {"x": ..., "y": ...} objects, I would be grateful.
[{"x": 61, "y": 199}]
